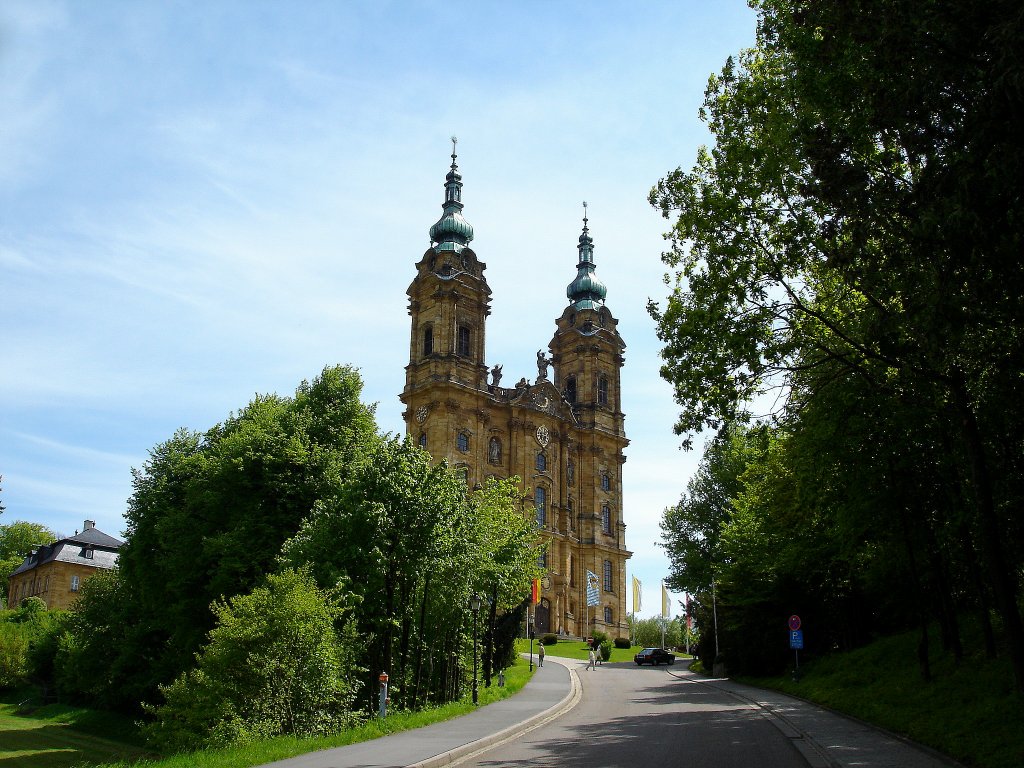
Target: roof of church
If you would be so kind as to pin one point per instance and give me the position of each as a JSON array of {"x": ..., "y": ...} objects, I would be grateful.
[
  {"x": 452, "y": 232},
  {"x": 586, "y": 291}
]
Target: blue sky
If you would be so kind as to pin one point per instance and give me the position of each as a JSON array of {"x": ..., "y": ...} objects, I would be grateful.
[{"x": 200, "y": 201}]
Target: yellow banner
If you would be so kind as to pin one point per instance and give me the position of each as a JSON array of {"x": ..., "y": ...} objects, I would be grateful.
[
  {"x": 665, "y": 606},
  {"x": 636, "y": 595}
]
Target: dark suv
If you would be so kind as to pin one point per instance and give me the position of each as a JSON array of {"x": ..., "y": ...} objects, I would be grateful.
[{"x": 654, "y": 656}]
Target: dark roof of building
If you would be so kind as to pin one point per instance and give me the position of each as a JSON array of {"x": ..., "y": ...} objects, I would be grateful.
[{"x": 92, "y": 547}]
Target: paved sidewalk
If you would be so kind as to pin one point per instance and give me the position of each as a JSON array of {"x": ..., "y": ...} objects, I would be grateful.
[
  {"x": 827, "y": 739},
  {"x": 554, "y": 689}
]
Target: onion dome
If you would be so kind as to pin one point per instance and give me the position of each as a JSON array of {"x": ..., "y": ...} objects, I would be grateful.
[
  {"x": 586, "y": 291},
  {"x": 451, "y": 232}
]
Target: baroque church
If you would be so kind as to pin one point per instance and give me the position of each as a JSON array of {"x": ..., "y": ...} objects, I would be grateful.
[{"x": 561, "y": 434}]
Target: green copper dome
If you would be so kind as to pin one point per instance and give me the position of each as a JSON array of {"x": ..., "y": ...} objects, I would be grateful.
[
  {"x": 451, "y": 232},
  {"x": 586, "y": 291}
]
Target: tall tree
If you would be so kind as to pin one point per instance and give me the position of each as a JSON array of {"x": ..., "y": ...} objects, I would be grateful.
[
  {"x": 210, "y": 511},
  {"x": 860, "y": 213}
]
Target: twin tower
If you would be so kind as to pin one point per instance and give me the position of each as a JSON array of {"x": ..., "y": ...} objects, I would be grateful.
[{"x": 561, "y": 433}]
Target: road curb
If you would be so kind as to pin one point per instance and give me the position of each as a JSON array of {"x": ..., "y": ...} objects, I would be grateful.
[{"x": 513, "y": 731}]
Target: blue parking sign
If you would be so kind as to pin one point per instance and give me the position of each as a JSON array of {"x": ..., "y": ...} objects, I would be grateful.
[{"x": 796, "y": 639}]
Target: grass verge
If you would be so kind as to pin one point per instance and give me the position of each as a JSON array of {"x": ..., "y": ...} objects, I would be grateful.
[
  {"x": 59, "y": 736},
  {"x": 968, "y": 711}
]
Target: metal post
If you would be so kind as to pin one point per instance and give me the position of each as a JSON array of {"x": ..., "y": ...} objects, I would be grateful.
[{"x": 474, "y": 603}]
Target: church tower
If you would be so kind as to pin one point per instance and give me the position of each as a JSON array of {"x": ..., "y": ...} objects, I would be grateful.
[{"x": 561, "y": 436}]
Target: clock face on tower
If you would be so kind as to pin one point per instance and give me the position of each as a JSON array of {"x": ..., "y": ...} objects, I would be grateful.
[
  {"x": 543, "y": 436},
  {"x": 421, "y": 414}
]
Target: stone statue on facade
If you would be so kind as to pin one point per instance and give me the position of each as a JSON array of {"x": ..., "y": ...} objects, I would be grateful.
[
  {"x": 495, "y": 375},
  {"x": 542, "y": 365}
]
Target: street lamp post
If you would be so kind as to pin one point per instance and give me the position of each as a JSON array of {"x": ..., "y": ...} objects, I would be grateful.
[{"x": 474, "y": 604}]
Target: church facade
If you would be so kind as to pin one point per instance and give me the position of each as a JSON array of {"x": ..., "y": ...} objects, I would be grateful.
[{"x": 562, "y": 434}]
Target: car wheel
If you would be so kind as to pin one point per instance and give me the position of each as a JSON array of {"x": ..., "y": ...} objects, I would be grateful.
[{"x": 639, "y": 663}]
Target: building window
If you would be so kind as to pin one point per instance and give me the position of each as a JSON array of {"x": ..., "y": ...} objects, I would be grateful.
[
  {"x": 542, "y": 462},
  {"x": 572, "y": 570},
  {"x": 606, "y": 482},
  {"x": 540, "y": 497},
  {"x": 463, "y": 341},
  {"x": 608, "y": 576},
  {"x": 494, "y": 451},
  {"x": 542, "y": 559},
  {"x": 75, "y": 581},
  {"x": 570, "y": 471},
  {"x": 462, "y": 442},
  {"x": 463, "y": 473},
  {"x": 602, "y": 390},
  {"x": 428, "y": 340},
  {"x": 607, "y": 615},
  {"x": 606, "y": 519},
  {"x": 423, "y": 440},
  {"x": 570, "y": 389},
  {"x": 87, "y": 553}
]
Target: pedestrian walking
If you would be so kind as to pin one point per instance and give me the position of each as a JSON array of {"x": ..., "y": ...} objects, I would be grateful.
[
  {"x": 593, "y": 659},
  {"x": 540, "y": 656}
]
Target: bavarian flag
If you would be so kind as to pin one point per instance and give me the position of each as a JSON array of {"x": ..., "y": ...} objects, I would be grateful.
[{"x": 535, "y": 591}]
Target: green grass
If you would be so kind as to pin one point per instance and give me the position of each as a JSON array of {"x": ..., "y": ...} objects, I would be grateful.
[
  {"x": 58, "y": 736},
  {"x": 968, "y": 712},
  {"x": 43, "y": 743},
  {"x": 577, "y": 649}
]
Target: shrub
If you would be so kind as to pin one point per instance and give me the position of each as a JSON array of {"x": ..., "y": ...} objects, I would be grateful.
[
  {"x": 623, "y": 642},
  {"x": 549, "y": 639},
  {"x": 274, "y": 664},
  {"x": 13, "y": 654},
  {"x": 606, "y": 650}
]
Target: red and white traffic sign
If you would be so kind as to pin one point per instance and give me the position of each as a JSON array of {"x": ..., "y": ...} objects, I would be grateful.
[{"x": 794, "y": 623}]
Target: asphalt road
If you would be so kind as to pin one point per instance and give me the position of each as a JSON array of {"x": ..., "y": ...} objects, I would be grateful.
[{"x": 633, "y": 717}]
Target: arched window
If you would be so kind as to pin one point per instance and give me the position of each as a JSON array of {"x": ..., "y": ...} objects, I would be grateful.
[
  {"x": 428, "y": 340},
  {"x": 570, "y": 389},
  {"x": 606, "y": 482},
  {"x": 462, "y": 442},
  {"x": 602, "y": 390},
  {"x": 606, "y": 519},
  {"x": 542, "y": 462},
  {"x": 572, "y": 570},
  {"x": 494, "y": 451},
  {"x": 423, "y": 440},
  {"x": 607, "y": 615},
  {"x": 463, "y": 346},
  {"x": 540, "y": 498},
  {"x": 608, "y": 576}
]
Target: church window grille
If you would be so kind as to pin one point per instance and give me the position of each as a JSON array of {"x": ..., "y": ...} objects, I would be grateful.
[
  {"x": 606, "y": 519},
  {"x": 607, "y": 615},
  {"x": 423, "y": 440},
  {"x": 608, "y": 576},
  {"x": 542, "y": 462},
  {"x": 463, "y": 349},
  {"x": 462, "y": 442},
  {"x": 602, "y": 390},
  {"x": 570, "y": 389},
  {"x": 606, "y": 482},
  {"x": 428, "y": 340},
  {"x": 541, "y": 500}
]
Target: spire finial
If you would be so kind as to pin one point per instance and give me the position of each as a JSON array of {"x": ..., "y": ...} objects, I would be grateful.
[{"x": 455, "y": 140}]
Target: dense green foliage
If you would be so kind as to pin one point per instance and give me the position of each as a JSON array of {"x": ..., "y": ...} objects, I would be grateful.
[
  {"x": 850, "y": 248},
  {"x": 277, "y": 563},
  {"x": 274, "y": 664},
  {"x": 647, "y": 633},
  {"x": 29, "y": 637},
  {"x": 17, "y": 539}
]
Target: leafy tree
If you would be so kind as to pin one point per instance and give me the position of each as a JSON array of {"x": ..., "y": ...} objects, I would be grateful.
[
  {"x": 16, "y": 541},
  {"x": 859, "y": 216},
  {"x": 396, "y": 534},
  {"x": 274, "y": 664},
  {"x": 209, "y": 513}
]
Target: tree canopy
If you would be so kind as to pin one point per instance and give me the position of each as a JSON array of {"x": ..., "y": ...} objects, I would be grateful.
[{"x": 850, "y": 246}]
